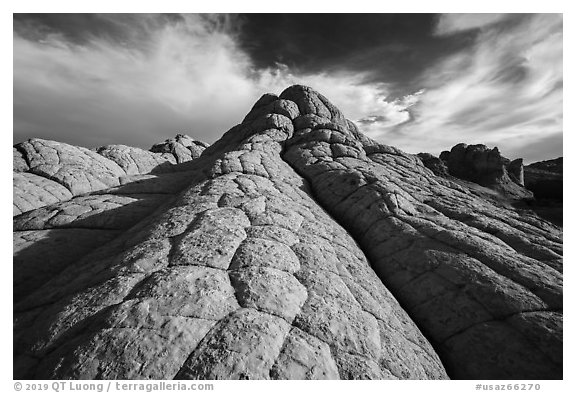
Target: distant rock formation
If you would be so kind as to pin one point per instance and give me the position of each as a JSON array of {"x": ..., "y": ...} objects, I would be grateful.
[
  {"x": 481, "y": 165},
  {"x": 555, "y": 166},
  {"x": 545, "y": 179},
  {"x": 434, "y": 163},
  {"x": 293, "y": 248},
  {"x": 182, "y": 147},
  {"x": 516, "y": 171}
]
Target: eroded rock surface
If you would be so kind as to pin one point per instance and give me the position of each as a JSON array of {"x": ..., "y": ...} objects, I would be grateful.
[
  {"x": 136, "y": 161},
  {"x": 46, "y": 172},
  {"x": 296, "y": 248},
  {"x": 182, "y": 147},
  {"x": 484, "y": 166}
]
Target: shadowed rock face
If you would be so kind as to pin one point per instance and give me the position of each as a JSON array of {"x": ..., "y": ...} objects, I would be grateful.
[
  {"x": 484, "y": 166},
  {"x": 435, "y": 164},
  {"x": 293, "y": 248},
  {"x": 545, "y": 179}
]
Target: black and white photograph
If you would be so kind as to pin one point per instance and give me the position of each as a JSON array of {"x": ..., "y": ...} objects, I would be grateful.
[{"x": 287, "y": 196}]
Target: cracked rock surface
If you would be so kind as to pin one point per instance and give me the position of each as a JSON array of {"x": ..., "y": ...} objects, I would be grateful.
[
  {"x": 46, "y": 172},
  {"x": 293, "y": 248}
]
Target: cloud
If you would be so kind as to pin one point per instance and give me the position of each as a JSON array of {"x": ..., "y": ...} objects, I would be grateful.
[
  {"x": 184, "y": 79},
  {"x": 150, "y": 77},
  {"x": 547, "y": 147},
  {"x": 455, "y": 23},
  {"x": 505, "y": 90},
  {"x": 140, "y": 79},
  {"x": 389, "y": 115}
]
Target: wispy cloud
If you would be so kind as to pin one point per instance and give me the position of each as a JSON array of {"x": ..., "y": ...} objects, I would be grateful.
[
  {"x": 140, "y": 79},
  {"x": 505, "y": 90},
  {"x": 189, "y": 76},
  {"x": 455, "y": 23},
  {"x": 155, "y": 78}
]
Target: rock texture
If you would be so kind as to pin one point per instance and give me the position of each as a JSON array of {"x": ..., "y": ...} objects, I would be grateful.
[
  {"x": 435, "y": 164},
  {"x": 484, "y": 166},
  {"x": 182, "y": 147},
  {"x": 293, "y": 248},
  {"x": 46, "y": 172}
]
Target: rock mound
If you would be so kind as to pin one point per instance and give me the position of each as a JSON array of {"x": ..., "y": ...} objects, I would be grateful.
[
  {"x": 293, "y": 248},
  {"x": 46, "y": 172},
  {"x": 182, "y": 147},
  {"x": 484, "y": 166}
]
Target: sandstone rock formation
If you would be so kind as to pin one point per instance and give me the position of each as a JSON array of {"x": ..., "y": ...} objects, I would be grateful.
[
  {"x": 293, "y": 248},
  {"x": 484, "y": 166},
  {"x": 182, "y": 147},
  {"x": 47, "y": 172},
  {"x": 545, "y": 178},
  {"x": 435, "y": 164}
]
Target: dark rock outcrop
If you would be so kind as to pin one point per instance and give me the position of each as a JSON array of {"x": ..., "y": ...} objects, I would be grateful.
[
  {"x": 486, "y": 167},
  {"x": 293, "y": 248},
  {"x": 434, "y": 163},
  {"x": 545, "y": 179},
  {"x": 555, "y": 166},
  {"x": 516, "y": 171}
]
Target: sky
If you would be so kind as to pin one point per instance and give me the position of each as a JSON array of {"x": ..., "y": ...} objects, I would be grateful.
[{"x": 420, "y": 82}]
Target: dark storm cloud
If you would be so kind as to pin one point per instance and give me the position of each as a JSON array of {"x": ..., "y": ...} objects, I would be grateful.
[
  {"x": 146, "y": 77},
  {"x": 390, "y": 48},
  {"x": 417, "y": 81}
]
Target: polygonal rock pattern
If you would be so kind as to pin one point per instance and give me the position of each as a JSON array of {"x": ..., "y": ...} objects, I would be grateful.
[
  {"x": 19, "y": 162},
  {"x": 136, "y": 161},
  {"x": 31, "y": 191},
  {"x": 46, "y": 172},
  {"x": 182, "y": 147},
  {"x": 297, "y": 249}
]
